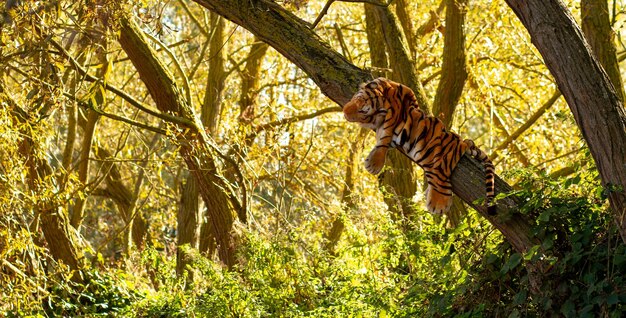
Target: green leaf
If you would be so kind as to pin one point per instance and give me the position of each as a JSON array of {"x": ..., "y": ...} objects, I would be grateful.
[
  {"x": 513, "y": 261},
  {"x": 612, "y": 299}
]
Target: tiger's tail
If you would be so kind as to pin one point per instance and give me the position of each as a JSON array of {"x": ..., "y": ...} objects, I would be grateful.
[{"x": 490, "y": 175}]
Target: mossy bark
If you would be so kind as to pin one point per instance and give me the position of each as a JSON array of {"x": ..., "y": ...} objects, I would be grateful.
[
  {"x": 453, "y": 69},
  {"x": 596, "y": 26},
  {"x": 292, "y": 37}
]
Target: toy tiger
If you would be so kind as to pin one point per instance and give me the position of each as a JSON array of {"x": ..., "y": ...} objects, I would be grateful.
[{"x": 391, "y": 110}]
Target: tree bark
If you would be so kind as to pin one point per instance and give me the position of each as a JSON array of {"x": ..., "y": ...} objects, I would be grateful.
[
  {"x": 250, "y": 80},
  {"x": 59, "y": 235},
  {"x": 453, "y": 78},
  {"x": 399, "y": 183},
  {"x": 596, "y": 26},
  {"x": 453, "y": 70},
  {"x": 83, "y": 166},
  {"x": 406, "y": 21},
  {"x": 404, "y": 69},
  {"x": 190, "y": 135},
  {"x": 187, "y": 224},
  {"x": 262, "y": 17},
  {"x": 291, "y": 36},
  {"x": 211, "y": 108},
  {"x": 587, "y": 89},
  {"x": 376, "y": 42}
]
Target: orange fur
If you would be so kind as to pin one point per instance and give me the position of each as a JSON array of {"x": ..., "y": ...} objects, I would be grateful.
[{"x": 391, "y": 110}]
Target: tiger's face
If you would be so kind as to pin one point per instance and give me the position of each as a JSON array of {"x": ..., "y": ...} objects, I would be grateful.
[{"x": 366, "y": 106}]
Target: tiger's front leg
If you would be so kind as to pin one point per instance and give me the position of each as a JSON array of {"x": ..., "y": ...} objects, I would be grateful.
[{"x": 376, "y": 159}]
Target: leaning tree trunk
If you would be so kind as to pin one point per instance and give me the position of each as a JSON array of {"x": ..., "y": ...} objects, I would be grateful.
[
  {"x": 338, "y": 79},
  {"x": 194, "y": 144},
  {"x": 587, "y": 89}
]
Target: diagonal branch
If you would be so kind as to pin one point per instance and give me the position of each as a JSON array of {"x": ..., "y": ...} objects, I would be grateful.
[
  {"x": 531, "y": 121},
  {"x": 338, "y": 79},
  {"x": 330, "y": 2}
]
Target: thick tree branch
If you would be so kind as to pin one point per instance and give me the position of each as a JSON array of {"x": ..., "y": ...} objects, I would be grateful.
[
  {"x": 292, "y": 37},
  {"x": 339, "y": 79}
]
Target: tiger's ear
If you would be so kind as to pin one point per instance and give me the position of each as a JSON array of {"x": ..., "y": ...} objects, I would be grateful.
[{"x": 371, "y": 84}]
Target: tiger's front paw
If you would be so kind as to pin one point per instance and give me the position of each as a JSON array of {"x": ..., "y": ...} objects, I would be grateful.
[{"x": 376, "y": 160}]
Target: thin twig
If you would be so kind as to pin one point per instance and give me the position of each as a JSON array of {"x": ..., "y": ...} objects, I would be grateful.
[
  {"x": 330, "y": 2},
  {"x": 289, "y": 120},
  {"x": 528, "y": 123},
  {"x": 119, "y": 92}
]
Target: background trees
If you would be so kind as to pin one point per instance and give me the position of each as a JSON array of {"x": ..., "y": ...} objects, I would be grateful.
[{"x": 118, "y": 117}]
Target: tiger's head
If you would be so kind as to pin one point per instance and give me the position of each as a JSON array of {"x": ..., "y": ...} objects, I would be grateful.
[{"x": 369, "y": 105}]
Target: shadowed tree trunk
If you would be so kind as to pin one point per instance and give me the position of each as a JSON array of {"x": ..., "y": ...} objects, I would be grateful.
[
  {"x": 339, "y": 79},
  {"x": 89, "y": 129},
  {"x": 587, "y": 89},
  {"x": 211, "y": 108},
  {"x": 403, "y": 68},
  {"x": 453, "y": 78},
  {"x": 399, "y": 183},
  {"x": 194, "y": 144},
  {"x": 187, "y": 224},
  {"x": 347, "y": 196},
  {"x": 250, "y": 80},
  {"x": 596, "y": 26},
  {"x": 124, "y": 198},
  {"x": 406, "y": 21},
  {"x": 453, "y": 70},
  {"x": 60, "y": 237}
]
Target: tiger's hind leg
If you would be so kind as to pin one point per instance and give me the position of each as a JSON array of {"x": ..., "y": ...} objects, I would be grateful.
[{"x": 438, "y": 195}]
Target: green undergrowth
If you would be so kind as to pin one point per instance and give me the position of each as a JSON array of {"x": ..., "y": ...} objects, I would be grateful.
[{"x": 423, "y": 268}]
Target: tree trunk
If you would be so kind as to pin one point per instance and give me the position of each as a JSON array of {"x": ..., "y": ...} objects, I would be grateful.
[
  {"x": 375, "y": 41},
  {"x": 211, "y": 109},
  {"x": 59, "y": 235},
  {"x": 596, "y": 26},
  {"x": 89, "y": 131},
  {"x": 250, "y": 80},
  {"x": 83, "y": 166},
  {"x": 398, "y": 184},
  {"x": 187, "y": 224},
  {"x": 406, "y": 21},
  {"x": 403, "y": 68},
  {"x": 587, "y": 89},
  {"x": 453, "y": 70},
  {"x": 452, "y": 81},
  {"x": 190, "y": 135},
  {"x": 264, "y": 17}
]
